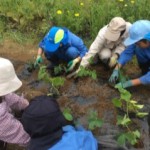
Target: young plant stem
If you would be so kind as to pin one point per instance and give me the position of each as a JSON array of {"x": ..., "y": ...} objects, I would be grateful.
[{"x": 127, "y": 109}]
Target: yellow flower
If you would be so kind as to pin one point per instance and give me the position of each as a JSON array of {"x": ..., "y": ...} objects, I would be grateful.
[
  {"x": 120, "y": 0},
  {"x": 132, "y": 2},
  {"x": 81, "y": 4},
  {"x": 125, "y": 5},
  {"x": 59, "y": 12},
  {"x": 76, "y": 14}
]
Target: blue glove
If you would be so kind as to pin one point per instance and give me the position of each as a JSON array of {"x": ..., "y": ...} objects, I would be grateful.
[
  {"x": 114, "y": 77},
  {"x": 125, "y": 84}
]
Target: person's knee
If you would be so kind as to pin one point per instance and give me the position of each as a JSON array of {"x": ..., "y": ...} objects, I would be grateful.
[
  {"x": 105, "y": 54},
  {"x": 72, "y": 53}
]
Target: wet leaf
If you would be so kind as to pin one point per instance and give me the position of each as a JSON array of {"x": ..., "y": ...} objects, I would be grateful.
[
  {"x": 133, "y": 102},
  {"x": 58, "y": 69},
  {"x": 126, "y": 95},
  {"x": 133, "y": 137},
  {"x": 139, "y": 106},
  {"x": 50, "y": 94},
  {"x": 94, "y": 121},
  {"x": 99, "y": 123},
  {"x": 94, "y": 76},
  {"x": 121, "y": 139},
  {"x": 68, "y": 117},
  {"x": 124, "y": 121},
  {"x": 117, "y": 102},
  {"x": 141, "y": 114},
  {"x": 84, "y": 72},
  {"x": 137, "y": 133},
  {"x": 92, "y": 125},
  {"x": 119, "y": 119},
  {"x": 67, "y": 114},
  {"x": 57, "y": 81},
  {"x": 42, "y": 74}
]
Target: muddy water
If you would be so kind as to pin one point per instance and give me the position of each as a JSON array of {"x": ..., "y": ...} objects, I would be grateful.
[{"x": 81, "y": 95}]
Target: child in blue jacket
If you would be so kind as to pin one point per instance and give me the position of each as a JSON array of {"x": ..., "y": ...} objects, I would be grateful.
[{"x": 61, "y": 45}]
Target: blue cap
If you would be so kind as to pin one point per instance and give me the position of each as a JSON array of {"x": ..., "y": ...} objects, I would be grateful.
[
  {"x": 54, "y": 37},
  {"x": 137, "y": 32}
]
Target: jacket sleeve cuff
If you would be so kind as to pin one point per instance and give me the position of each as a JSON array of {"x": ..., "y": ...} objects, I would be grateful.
[
  {"x": 145, "y": 79},
  {"x": 117, "y": 55}
]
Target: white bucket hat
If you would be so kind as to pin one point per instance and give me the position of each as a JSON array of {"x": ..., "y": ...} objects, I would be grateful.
[
  {"x": 9, "y": 81},
  {"x": 114, "y": 28}
]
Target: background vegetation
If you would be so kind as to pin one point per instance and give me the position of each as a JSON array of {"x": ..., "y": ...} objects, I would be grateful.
[{"x": 31, "y": 19}]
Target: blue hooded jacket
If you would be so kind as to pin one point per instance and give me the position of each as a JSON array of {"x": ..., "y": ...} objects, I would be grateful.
[
  {"x": 72, "y": 40},
  {"x": 76, "y": 139}
]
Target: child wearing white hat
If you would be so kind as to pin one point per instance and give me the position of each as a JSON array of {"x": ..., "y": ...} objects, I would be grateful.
[{"x": 11, "y": 129}]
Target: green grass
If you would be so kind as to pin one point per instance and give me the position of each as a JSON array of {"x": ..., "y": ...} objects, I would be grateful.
[{"x": 32, "y": 19}]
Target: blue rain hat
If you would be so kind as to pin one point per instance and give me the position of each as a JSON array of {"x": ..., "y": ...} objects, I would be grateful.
[
  {"x": 147, "y": 36},
  {"x": 137, "y": 32},
  {"x": 54, "y": 37}
]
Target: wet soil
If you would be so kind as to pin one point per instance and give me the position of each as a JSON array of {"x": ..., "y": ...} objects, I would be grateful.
[{"x": 81, "y": 95}]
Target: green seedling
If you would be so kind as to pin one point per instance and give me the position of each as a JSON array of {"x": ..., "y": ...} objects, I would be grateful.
[
  {"x": 125, "y": 121},
  {"x": 94, "y": 121},
  {"x": 91, "y": 61},
  {"x": 55, "y": 82},
  {"x": 67, "y": 114},
  {"x": 59, "y": 69},
  {"x": 131, "y": 136},
  {"x": 86, "y": 72},
  {"x": 30, "y": 67}
]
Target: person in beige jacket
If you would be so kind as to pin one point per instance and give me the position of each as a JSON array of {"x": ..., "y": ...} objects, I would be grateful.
[{"x": 108, "y": 44}]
